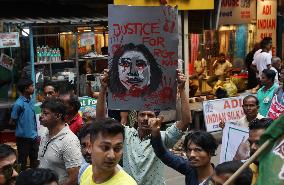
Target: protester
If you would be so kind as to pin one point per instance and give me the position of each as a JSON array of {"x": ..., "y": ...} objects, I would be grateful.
[
  {"x": 50, "y": 90},
  {"x": 107, "y": 146},
  {"x": 23, "y": 115},
  {"x": 37, "y": 176},
  {"x": 262, "y": 58},
  {"x": 276, "y": 67},
  {"x": 266, "y": 93},
  {"x": 139, "y": 159},
  {"x": 250, "y": 108},
  {"x": 59, "y": 147},
  {"x": 8, "y": 165},
  {"x": 225, "y": 170},
  {"x": 222, "y": 67},
  {"x": 73, "y": 118},
  {"x": 256, "y": 129},
  {"x": 199, "y": 146},
  {"x": 199, "y": 66},
  {"x": 252, "y": 80},
  {"x": 85, "y": 142}
]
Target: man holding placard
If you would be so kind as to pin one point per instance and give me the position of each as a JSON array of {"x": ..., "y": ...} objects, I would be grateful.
[{"x": 139, "y": 159}]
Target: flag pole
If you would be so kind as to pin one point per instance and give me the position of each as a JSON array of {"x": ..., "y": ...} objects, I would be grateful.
[{"x": 248, "y": 162}]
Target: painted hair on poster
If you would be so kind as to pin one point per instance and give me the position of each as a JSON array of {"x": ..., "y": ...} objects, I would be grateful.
[{"x": 134, "y": 69}]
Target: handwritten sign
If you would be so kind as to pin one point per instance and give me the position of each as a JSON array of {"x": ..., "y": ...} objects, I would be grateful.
[
  {"x": 267, "y": 21},
  {"x": 9, "y": 40},
  {"x": 6, "y": 62},
  {"x": 233, "y": 136},
  {"x": 143, "y": 57},
  {"x": 237, "y": 12},
  {"x": 227, "y": 109}
]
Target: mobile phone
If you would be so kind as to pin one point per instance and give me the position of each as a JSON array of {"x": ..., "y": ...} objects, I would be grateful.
[{"x": 91, "y": 77}]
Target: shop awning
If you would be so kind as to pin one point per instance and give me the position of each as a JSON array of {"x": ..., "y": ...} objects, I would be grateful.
[{"x": 51, "y": 20}]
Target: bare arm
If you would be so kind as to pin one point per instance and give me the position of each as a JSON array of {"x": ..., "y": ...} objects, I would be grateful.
[
  {"x": 72, "y": 176},
  {"x": 101, "y": 103},
  {"x": 185, "y": 111}
]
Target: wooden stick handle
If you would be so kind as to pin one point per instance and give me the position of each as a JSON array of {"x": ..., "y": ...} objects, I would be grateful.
[{"x": 248, "y": 162}]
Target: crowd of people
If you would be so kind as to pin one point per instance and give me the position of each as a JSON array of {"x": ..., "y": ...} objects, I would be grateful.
[{"x": 95, "y": 149}]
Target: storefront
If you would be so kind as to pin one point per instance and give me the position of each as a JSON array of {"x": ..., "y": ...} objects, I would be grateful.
[{"x": 62, "y": 51}]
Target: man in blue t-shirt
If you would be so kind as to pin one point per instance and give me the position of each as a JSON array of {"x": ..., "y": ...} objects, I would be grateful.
[{"x": 23, "y": 115}]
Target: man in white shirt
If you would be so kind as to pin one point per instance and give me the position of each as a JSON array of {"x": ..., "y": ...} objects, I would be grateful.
[
  {"x": 276, "y": 67},
  {"x": 262, "y": 59},
  {"x": 221, "y": 67}
]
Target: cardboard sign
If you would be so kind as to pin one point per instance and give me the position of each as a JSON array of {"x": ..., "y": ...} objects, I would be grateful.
[
  {"x": 87, "y": 102},
  {"x": 6, "y": 62},
  {"x": 143, "y": 57},
  {"x": 9, "y": 40},
  {"x": 87, "y": 39},
  {"x": 233, "y": 136},
  {"x": 237, "y": 12},
  {"x": 226, "y": 109},
  {"x": 267, "y": 21}
]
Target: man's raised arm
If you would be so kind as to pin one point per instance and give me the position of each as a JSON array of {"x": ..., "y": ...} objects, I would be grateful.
[{"x": 101, "y": 103}]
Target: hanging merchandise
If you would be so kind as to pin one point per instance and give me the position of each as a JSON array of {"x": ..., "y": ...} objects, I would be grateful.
[{"x": 240, "y": 51}]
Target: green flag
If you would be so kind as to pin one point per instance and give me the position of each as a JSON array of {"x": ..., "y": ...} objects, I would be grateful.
[{"x": 271, "y": 161}]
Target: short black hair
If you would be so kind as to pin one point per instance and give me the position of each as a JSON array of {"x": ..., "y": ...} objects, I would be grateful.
[
  {"x": 203, "y": 139},
  {"x": 222, "y": 54},
  {"x": 6, "y": 151},
  {"x": 85, "y": 130},
  {"x": 251, "y": 96},
  {"x": 270, "y": 74},
  {"x": 231, "y": 167},
  {"x": 23, "y": 84},
  {"x": 106, "y": 126},
  {"x": 49, "y": 83},
  {"x": 260, "y": 123},
  {"x": 265, "y": 41},
  {"x": 37, "y": 176},
  {"x": 55, "y": 105}
]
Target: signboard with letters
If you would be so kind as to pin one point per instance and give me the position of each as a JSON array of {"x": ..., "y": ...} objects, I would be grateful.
[
  {"x": 9, "y": 40},
  {"x": 267, "y": 21},
  {"x": 226, "y": 109},
  {"x": 237, "y": 11}
]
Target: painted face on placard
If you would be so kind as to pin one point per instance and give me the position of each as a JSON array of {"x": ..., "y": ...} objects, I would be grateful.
[{"x": 134, "y": 70}]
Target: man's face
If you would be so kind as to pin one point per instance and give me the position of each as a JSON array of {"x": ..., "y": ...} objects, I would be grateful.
[
  {"x": 48, "y": 118},
  {"x": 30, "y": 89},
  {"x": 254, "y": 136},
  {"x": 106, "y": 151},
  {"x": 250, "y": 107},
  {"x": 264, "y": 80},
  {"x": 269, "y": 46},
  {"x": 49, "y": 91},
  {"x": 222, "y": 58},
  {"x": 197, "y": 157},
  {"x": 281, "y": 76},
  {"x": 134, "y": 70},
  {"x": 220, "y": 179},
  {"x": 7, "y": 173},
  {"x": 143, "y": 118},
  {"x": 86, "y": 148}
]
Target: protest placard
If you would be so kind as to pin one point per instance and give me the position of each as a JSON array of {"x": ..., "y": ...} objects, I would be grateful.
[
  {"x": 226, "y": 109},
  {"x": 143, "y": 43},
  {"x": 9, "y": 40},
  {"x": 233, "y": 136}
]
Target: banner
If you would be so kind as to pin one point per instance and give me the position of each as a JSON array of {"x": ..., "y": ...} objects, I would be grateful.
[
  {"x": 267, "y": 21},
  {"x": 143, "y": 57},
  {"x": 226, "y": 109},
  {"x": 6, "y": 62},
  {"x": 237, "y": 11},
  {"x": 9, "y": 40},
  {"x": 234, "y": 140},
  {"x": 182, "y": 4},
  {"x": 87, "y": 102},
  {"x": 87, "y": 39}
]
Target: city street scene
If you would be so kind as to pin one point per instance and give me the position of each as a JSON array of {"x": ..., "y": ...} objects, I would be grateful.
[{"x": 141, "y": 92}]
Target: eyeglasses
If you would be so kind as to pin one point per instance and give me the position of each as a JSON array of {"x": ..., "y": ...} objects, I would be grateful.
[{"x": 7, "y": 170}]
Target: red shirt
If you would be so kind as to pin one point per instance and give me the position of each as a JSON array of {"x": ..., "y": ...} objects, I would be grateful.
[{"x": 76, "y": 123}]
